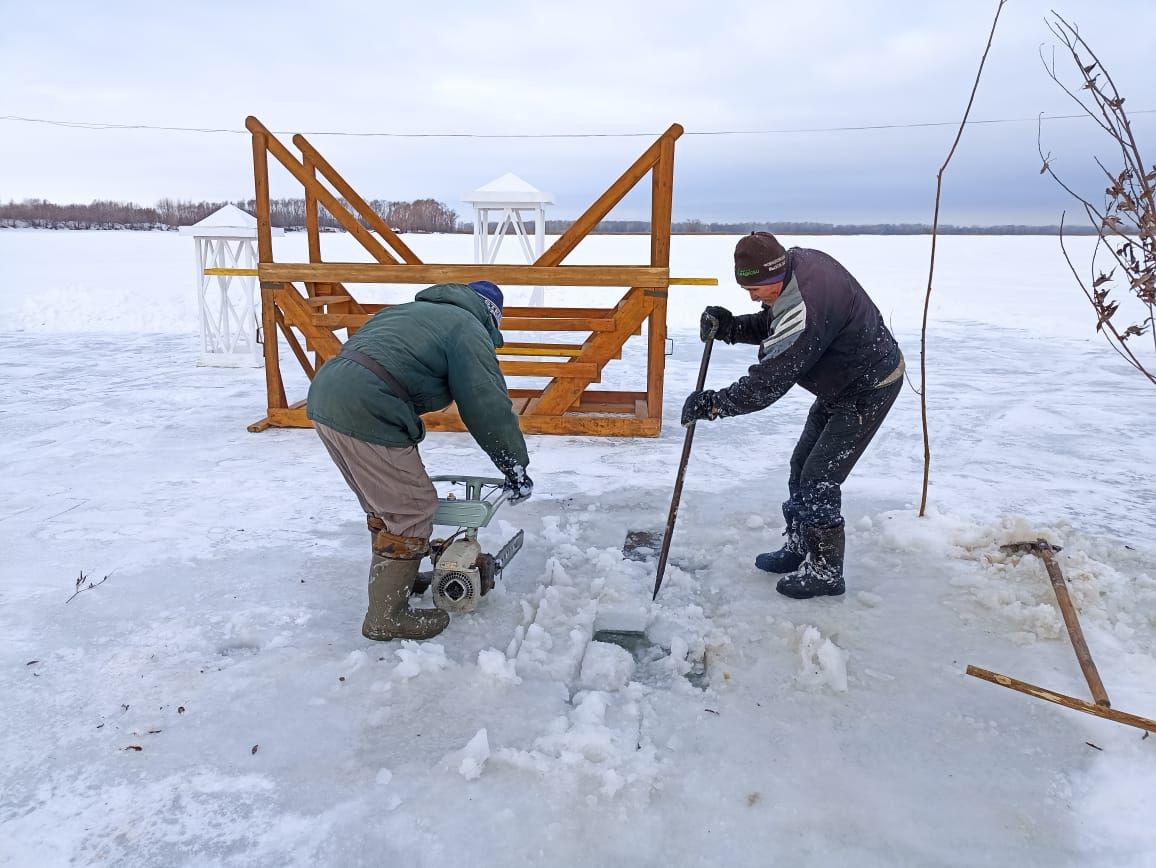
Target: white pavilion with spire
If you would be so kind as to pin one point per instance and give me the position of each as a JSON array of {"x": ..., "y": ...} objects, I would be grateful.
[
  {"x": 228, "y": 303},
  {"x": 509, "y": 203}
]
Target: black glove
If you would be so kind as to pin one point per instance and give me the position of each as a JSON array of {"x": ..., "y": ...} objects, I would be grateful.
[
  {"x": 519, "y": 485},
  {"x": 699, "y": 405},
  {"x": 716, "y": 324}
]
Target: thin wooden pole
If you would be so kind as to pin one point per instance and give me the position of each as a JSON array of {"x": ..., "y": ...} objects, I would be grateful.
[
  {"x": 1068, "y": 610},
  {"x": 1064, "y": 700}
]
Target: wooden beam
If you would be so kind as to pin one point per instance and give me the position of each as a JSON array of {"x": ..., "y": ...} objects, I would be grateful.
[
  {"x": 295, "y": 346},
  {"x": 581, "y": 227},
  {"x": 577, "y": 324},
  {"x": 514, "y": 275},
  {"x": 562, "y": 394},
  {"x": 334, "y": 207},
  {"x": 274, "y": 385},
  {"x": 1063, "y": 699},
  {"x": 231, "y": 272},
  {"x": 564, "y": 351},
  {"x": 662, "y": 193},
  {"x": 375, "y": 220},
  {"x": 580, "y": 370},
  {"x": 297, "y": 313}
]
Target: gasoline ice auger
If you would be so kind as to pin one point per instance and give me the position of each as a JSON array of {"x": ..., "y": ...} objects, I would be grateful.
[{"x": 462, "y": 572}]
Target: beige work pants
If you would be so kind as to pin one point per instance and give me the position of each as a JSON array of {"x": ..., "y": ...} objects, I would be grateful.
[{"x": 390, "y": 481}]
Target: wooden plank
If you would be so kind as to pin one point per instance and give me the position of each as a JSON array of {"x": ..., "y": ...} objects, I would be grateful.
[
  {"x": 295, "y": 346},
  {"x": 567, "y": 351},
  {"x": 593, "y": 425},
  {"x": 297, "y": 313},
  {"x": 579, "y": 370},
  {"x": 375, "y": 220},
  {"x": 323, "y": 300},
  {"x": 261, "y": 196},
  {"x": 514, "y": 275},
  {"x": 560, "y": 395},
  {"x": 581, "y": 227},
  {"x": 291, "y": 417},
  {"x": 581, "y": 324},
  {"x": 231, "y": 272},
  {"x": 312, "y": 229},
  {"x": 565, "y": 312},
  {"x": 694, "y": 281},
  {"x": 661, "y": 197},
  {"x": 274, "y": 385},
  {"x": 596, "y": 395},
  {"x": 334, "y": 207},
  {"x": 1064, "y": 700},
  {"x": 662, "y": 193}
]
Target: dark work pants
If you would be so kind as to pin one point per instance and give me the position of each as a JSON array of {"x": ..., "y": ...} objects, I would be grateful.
[{"x": 835, "y": 436}]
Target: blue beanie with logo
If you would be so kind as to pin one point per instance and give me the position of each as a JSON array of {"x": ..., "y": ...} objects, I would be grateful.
[{"x": 492, "y": 296}]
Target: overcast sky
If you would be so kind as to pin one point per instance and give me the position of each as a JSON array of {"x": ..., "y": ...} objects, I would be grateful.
[{"x": 538, "y": 67}]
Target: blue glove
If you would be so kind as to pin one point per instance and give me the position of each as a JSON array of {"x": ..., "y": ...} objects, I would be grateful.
[
  {"x": 699, "y": 405},
  {"x": 716, "y": 324}
]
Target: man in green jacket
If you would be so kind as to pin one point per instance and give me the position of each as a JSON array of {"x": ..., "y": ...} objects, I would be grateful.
[{"x": 366, "y": 405}]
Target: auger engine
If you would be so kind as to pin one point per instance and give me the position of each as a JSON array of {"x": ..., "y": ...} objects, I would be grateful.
[{"x": 463, "y": 573}]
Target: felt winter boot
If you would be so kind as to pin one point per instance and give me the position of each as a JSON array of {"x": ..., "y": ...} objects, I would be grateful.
[
  {"x": 822, "y": 572},
  {"x": 389, "y": 615},
  {"x": 791, "y": 556}
]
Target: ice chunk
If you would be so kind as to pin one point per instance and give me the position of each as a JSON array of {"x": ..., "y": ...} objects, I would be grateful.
[
  {"x": 606, "y": 667},
  {"x": 498, "y": 666},
  {"x": 823, "y": 662}
]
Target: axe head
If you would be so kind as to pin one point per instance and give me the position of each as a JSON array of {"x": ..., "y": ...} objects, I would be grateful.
[{"x": 1029, "y": 546}]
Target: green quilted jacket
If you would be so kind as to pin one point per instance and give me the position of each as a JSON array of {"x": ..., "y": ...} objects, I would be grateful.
[{"x": 440, "y": 347}]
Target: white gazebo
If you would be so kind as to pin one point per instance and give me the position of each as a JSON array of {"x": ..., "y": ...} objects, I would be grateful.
[
  {"x": 508, "y": 202},
  {"x": 228, "y": 300}
]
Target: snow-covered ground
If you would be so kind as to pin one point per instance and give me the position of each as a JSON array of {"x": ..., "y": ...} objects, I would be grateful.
[{"x": 213, "y": 703}]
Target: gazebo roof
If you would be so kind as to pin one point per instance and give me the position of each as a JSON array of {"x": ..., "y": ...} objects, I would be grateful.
[
  {"x": 508, "y": 190},
  {"x": 228, "y": 221}
]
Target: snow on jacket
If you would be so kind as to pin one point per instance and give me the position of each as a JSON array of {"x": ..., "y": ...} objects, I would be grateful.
[
  {"x": 440, "y": 347},
  {"x": 823, "y": 332}
]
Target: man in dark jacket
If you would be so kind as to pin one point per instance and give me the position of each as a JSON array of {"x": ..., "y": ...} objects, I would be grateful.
[
  {"x": 366, "y": 405},
  {"x": 817, "y": 328}
]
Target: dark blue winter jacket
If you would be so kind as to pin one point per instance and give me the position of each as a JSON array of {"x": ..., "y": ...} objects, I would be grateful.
[{"x": 823, "y": 332}]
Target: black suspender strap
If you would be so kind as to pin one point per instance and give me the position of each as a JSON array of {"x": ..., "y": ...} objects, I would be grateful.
[{"x": 378, "y": 370}]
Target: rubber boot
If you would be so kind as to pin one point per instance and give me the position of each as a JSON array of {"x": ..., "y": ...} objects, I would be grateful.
[
  {"x": 791, "y": 556},
  {"x": 389, "y": 615},
  {"x": 822, "y": 573},
  {"x": 392, "y": 574}
]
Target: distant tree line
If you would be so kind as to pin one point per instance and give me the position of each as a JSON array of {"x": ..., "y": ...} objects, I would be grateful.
[
  {"x": 421, "y": 215},
  {"x": 429, "y": 215}
]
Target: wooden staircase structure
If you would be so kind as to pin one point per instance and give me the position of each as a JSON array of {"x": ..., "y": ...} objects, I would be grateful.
[{"x": 308, "y": 303}]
